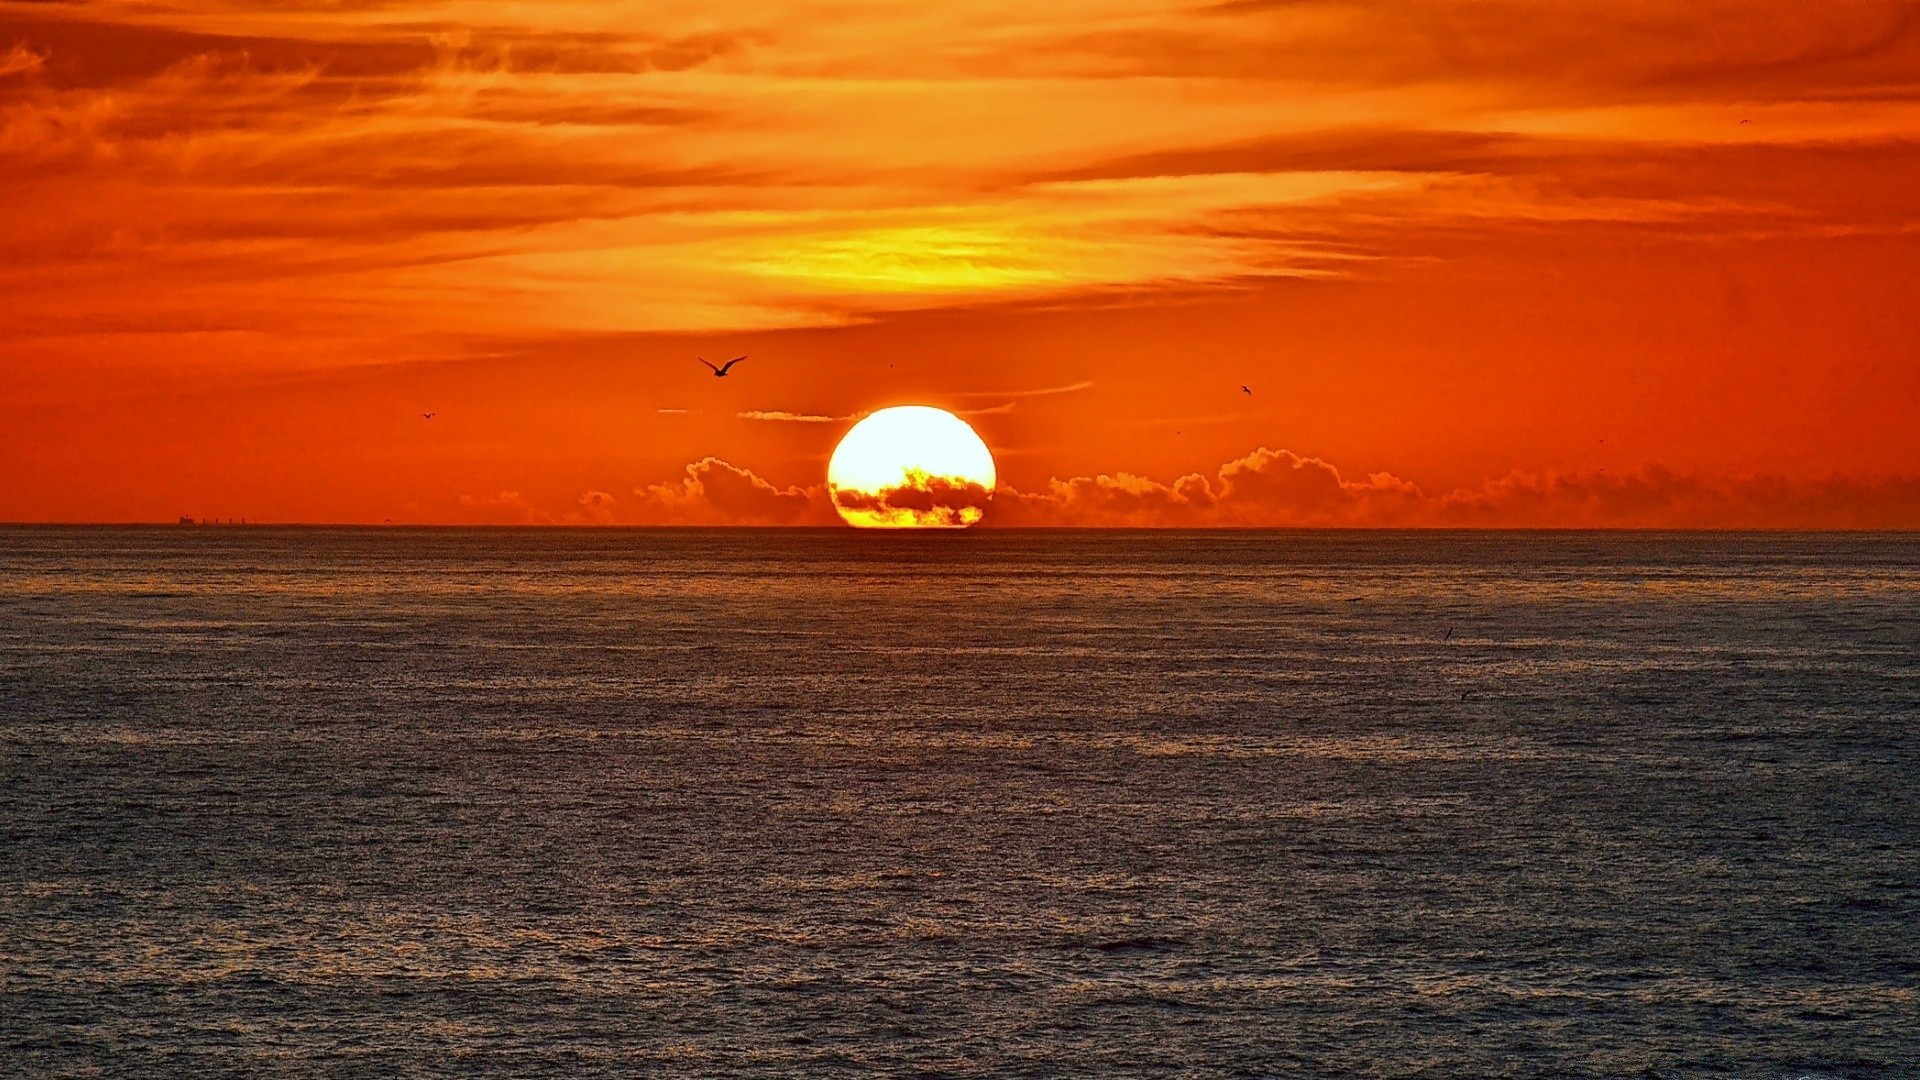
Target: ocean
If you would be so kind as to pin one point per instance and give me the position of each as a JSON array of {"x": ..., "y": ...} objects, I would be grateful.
[{"x": 573, "y": 803}]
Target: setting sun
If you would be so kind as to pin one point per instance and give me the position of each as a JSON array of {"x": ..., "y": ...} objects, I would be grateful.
[{"x": 911, "y": 467}]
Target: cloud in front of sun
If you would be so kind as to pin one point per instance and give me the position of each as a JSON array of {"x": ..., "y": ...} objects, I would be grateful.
[{"x": 911, "y": 466}]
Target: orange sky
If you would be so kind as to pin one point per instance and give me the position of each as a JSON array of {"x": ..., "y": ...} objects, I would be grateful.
[{"x": 1490, "y": 263}]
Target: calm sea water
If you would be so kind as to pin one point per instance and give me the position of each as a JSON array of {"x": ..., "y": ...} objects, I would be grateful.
[{"x": 585, "y": 803}]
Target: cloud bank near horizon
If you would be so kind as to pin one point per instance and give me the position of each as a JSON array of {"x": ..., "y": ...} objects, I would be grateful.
[{"x": 1281, "y": 489}]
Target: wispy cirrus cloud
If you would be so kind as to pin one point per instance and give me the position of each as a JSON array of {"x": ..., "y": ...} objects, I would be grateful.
[
  {"x": 1043, "y": 391},
  {"x": 779, "y": 416},
  {"x": 1005, "y": 401}
]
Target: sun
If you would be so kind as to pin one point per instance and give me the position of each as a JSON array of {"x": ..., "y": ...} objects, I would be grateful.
[{"x": 911, "y": 467}]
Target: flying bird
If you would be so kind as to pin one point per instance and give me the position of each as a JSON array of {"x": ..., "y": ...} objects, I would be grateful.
[
  {"x": 428, "y": 415},
  {"x": 721, "y": 371},
  {"x": 1247, "y": 390}
]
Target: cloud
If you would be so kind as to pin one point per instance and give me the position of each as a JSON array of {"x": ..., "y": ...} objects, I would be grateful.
[
  {"x": 1044, "y": 391},
  {"x": 506, "y": 507},
  {"x": 789, "y": 417},
  {"x": 709, "y": 492},
  {"x": 1661, "y": 499},
  {"x": 923, "y": 500},
  {"x": 1009, "y": 400},
  {"x": 1280, "y": 489},
  {"x": 19, "y": 59},
  {"x": 715, "y": 492},
  {"x": 1048, "y": 391},
  {"x": 596, "y": 507},
  {"x": 1264, "y": 488}
]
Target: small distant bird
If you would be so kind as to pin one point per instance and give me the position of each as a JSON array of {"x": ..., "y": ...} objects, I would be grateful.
[
  {"x": 721, "y": 371},
  {"x": 1247, "y": 390},
  {"x": 1746, "y": 121},
  {"x": 428, "y": 415}
]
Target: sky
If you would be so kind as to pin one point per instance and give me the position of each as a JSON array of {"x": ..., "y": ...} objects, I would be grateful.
[{"x": 1493, "y": 263}]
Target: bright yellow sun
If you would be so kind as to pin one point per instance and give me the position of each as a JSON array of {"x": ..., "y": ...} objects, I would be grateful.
[{"x": 911, "y": 467}]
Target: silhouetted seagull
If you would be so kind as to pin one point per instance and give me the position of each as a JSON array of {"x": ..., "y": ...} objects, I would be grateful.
[
  {"x": 721, "y": 371},
  {"x": 428, "y": 415},
  {"x": 1247, "y": 390}
]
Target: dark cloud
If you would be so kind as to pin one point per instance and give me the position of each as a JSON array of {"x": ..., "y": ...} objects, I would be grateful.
[
  {"x": 935, "y": 500},
  {"x": 86, "y": 48},
  {"x": 1737, "y": 50},
  {"x": 1377, "y": 149},
  {"x": 84, "y": 52}
]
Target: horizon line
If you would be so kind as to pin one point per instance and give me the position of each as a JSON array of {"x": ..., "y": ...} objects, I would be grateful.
[{"x": 171, "y": 526}]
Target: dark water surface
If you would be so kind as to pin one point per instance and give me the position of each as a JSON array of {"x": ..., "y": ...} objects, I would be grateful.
[{"x": 582, "y": 803}]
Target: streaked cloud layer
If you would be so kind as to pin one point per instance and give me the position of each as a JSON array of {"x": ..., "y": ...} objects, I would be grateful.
[{"x": 669, "y": 166}]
